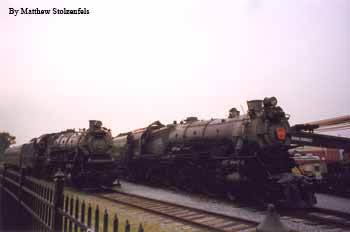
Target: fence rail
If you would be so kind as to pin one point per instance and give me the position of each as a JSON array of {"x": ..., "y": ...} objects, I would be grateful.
[{"x": 28, "y": 204}]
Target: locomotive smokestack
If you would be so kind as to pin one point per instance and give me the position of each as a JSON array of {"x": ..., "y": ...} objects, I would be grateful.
[
  {"x": 93, "y": 124},
  {"x": 233, "y": 113},
  {"x": 254, "y": 105}
]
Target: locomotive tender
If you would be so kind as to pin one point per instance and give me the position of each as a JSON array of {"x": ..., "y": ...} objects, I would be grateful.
[
  {"x": 239, "y": 155},
  {"x": 84, "y": 156}
]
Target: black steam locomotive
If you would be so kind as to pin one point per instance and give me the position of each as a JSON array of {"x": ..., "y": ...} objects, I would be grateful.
[
  {"x": 242, "y": 155},
  {"x": 84, "y": 156}
]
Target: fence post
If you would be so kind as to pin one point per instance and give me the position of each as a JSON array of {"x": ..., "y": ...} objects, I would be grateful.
[{"x": 58, "y": 201}]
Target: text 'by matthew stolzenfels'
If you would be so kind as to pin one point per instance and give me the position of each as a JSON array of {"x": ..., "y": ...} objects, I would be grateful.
[{"x": 54, "y": 11}]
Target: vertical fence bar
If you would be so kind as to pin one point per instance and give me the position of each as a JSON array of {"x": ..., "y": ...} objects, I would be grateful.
[
  {"x": 20, "y": 223},
  {"x": 115, "y": 223},
  {"x": 58, "y": 201},
  {"x": 89, "y": 216},
  {"x": 50, "y": 209},
  {"x": 35, "y": 206},
  {"x": 127, "y": 226},
  {"x": 97, "y": 219},
  {"x": 39, "y": 202},
  {"x": 65, "y": 225},
  {"x": 42, "y": 213},
  {"x": 82, "y": 214},
  {"x": 2, "y": 221},
  {"x": 71, "y": 207},
  {"x": 42, "y": 207},
  {"x": 76, "y": 214},
  {"x": 140, "y": 228},
  {"x": 46, "y": 207},
  {"x": 48, "y": 218},
  {"x": 105, "y": 222},
  {"x": 5, "y": 199}
]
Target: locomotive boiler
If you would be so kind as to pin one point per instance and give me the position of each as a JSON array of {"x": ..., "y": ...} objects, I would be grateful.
[
  {"x": 84, "y": 156},
  {"x": 242, "y": 155}
]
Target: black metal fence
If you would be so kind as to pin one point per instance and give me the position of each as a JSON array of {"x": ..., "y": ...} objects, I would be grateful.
[{"x": 28, "y": 204}]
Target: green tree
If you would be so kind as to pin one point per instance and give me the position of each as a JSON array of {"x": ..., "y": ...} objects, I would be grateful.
[{"x": 6, "y": 139}]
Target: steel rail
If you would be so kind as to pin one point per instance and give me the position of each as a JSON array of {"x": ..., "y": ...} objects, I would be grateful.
[
  {"x": 197, "y": 217},
  {"x": 323, "y": 216}
]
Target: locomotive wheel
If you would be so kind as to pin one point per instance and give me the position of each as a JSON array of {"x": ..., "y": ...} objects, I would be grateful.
[
  {"x": 187, "y": 179},
  {"x": 76, "y": 181},
  {"x": 170, "y": 178},
  {"x": 213, "y": 187},
  {"x": 231, "y": 195},
  {"x": 136, "y": 173},
  {"x": 153, "y": 176},
  {"x": 130, "y": 175},
  {"x": 76, "y": 178},
  {"x": 45, "y": 173}
]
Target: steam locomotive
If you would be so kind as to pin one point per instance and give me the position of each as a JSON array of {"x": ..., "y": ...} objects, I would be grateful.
[
  {"x": 242, "y": 155},
  {"x": 84, "y": 156}
]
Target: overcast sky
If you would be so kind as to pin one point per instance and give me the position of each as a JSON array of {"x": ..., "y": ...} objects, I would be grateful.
[{"x": 129, "y": 63}]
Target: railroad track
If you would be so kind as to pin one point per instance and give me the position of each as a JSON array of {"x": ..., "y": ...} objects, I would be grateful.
[
  {"x": 209, "y": 220},
  {"x": 220, "y": 222},
  {"x": 322, "y": 216}
]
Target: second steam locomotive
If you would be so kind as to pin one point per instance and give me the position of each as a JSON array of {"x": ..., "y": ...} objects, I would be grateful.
[
  {"x": 238, "y": 155},
  {"x": 84, "y": 156}
]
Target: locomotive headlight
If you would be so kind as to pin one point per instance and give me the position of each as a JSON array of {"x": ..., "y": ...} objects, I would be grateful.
[
  {"x": 281, "y": 133},
  {"x": 270, "y": 101},
  {"x": 273, "y": 101}
]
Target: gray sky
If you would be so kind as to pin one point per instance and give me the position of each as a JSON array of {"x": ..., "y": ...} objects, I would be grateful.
[{"x": 129, "y": 63}]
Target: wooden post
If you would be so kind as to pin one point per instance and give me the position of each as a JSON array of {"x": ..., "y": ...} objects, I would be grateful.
[{"x": 58, "y": 201}]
